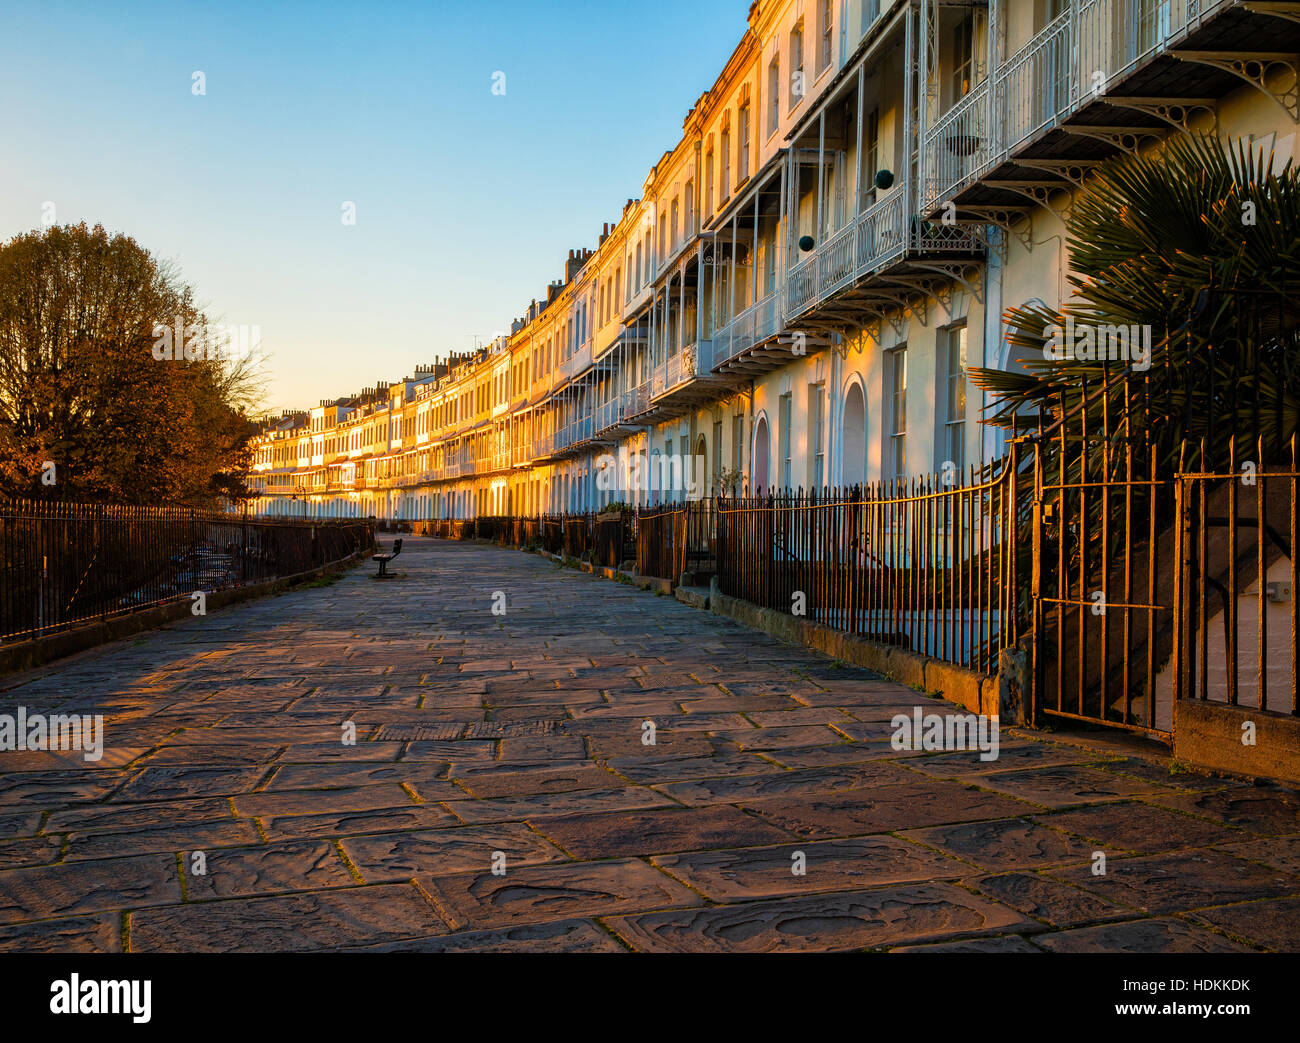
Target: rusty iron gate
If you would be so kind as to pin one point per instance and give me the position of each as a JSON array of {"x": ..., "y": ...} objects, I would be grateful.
[
  {"x": 1162, "y": 501},
  {"x": 1237, "y": 576},
  {"x": 1102, "y": 531}
]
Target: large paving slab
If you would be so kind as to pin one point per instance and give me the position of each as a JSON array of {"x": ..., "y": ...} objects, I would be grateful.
[
  {"x": 390, "y": 766},
  {"x": 819, "y": 923}
]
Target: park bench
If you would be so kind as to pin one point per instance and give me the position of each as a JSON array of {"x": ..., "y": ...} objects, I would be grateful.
[{"x": 384, "y": 559}]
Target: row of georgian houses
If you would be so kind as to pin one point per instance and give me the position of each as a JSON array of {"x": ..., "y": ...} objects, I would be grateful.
[{"x": 809, "y": 271}]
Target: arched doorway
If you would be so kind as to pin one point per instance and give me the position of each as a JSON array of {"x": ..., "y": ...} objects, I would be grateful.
[
  {"x": 854, "y": 467},
  {"x": 760, "y": 456},
  {"x": 700, "y": 466}
]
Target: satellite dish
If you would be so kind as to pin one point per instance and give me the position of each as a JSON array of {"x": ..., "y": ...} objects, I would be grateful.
[{"x": 806, "y": 243}]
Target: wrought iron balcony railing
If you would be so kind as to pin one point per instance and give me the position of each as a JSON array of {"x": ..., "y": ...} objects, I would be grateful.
[
  {"x": 1080, "y": 55},
  {"x": 878, "y": 237},
  {"x": 759, "y": 321}
]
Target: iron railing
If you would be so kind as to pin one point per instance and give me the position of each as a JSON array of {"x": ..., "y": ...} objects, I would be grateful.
[
  {"x": 610, "y": 414},
  {"x": 754, "y": 324},
  {"x": 922, "y": 565},
  {"x": 1139, "y": 542},
  {"x": 614, "y": 538},
  {"x": 1098, "y": 547},
  {"x": 1079, "y": 56},
  {"x": 958, "y": 147},
  {"x": 676, "y": 538},
  {"x": 661, "y": 541},
  {"x": 916, "y": 564},
  {"x": 1033, "y": 89},
  {"x": 68, "y": 563},
  {"x": 875, "y": 239},
  {"x": 1237, "y": 574},
  {"x": 638, "y": 400},
  {"x": 681, "y": 368}
]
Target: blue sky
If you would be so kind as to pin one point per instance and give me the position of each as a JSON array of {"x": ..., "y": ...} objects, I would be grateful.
[{"x": 466, "y": 202}]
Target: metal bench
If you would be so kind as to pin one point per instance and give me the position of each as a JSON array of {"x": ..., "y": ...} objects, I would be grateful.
[{"x": 384, "y": 559}]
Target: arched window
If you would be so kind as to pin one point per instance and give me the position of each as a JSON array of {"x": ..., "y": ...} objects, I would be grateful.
[
  {"x": 761, "y": 457},
  {"x": 854, "y": 465}
]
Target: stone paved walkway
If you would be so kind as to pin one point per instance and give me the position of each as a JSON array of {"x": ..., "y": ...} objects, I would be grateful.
[{"x": 483, "y": 737}]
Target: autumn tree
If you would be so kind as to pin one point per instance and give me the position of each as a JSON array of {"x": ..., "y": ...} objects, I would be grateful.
[{"x": 82, "y": 390}]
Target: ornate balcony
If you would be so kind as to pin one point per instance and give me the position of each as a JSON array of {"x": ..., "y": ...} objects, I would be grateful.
[
  {"x": 684, "y": 381},
  {"x": 609, "y": 416},
  {"x": 1102, "y": 78},
  {"x": 885, "y": 259},
  {"x": 752, "y": 336}
]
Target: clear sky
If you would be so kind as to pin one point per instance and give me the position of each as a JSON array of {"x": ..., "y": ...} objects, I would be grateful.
[{"x": 466, "y": 202}]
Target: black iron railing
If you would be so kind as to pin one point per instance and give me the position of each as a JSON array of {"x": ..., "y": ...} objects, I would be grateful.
[
  {"x": 67, "y": 563},
  {"x": 676, "y": 538},
  {"x": 614, "y": 535},
  {"x": 661, "y": 541},
  {"x": 919, "y": 564},
  {"x": 1157, "y": 531},
  {"x": 1236, "y": 578}
]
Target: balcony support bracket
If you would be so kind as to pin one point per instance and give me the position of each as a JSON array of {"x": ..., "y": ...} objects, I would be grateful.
[
  {"x": 897, "y": 318},
  {"x": 1014, "y": 220},
  {"x": 953, "y": 272},
  {"x": 1038, "y": 192},
  {"x": 904, "y": 298},
  {"x": 1073, "y": 170},
  {"x": 1177, "y": 112},
  {"x": 1125, "y": 139},
  {"x": 1291, "y": 12},
  {"x": 862, "y": 327},
  {"x": 1275, "y": 75},
  {"x": 870, "y": 314},
  {"x": 840, "y": 315}
]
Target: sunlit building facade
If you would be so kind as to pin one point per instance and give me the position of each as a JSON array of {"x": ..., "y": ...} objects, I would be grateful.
[{"x": 797, "y": 294}]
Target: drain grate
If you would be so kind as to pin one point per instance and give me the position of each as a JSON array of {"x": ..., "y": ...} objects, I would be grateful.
[
  {"x": 450, "y": 730},
  {"x": 512, "y": 729},
  {"x": 421, "y": 732}
]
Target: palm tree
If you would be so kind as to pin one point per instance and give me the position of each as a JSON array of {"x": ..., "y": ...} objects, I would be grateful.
[{"x": 1198, "y": 242}]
